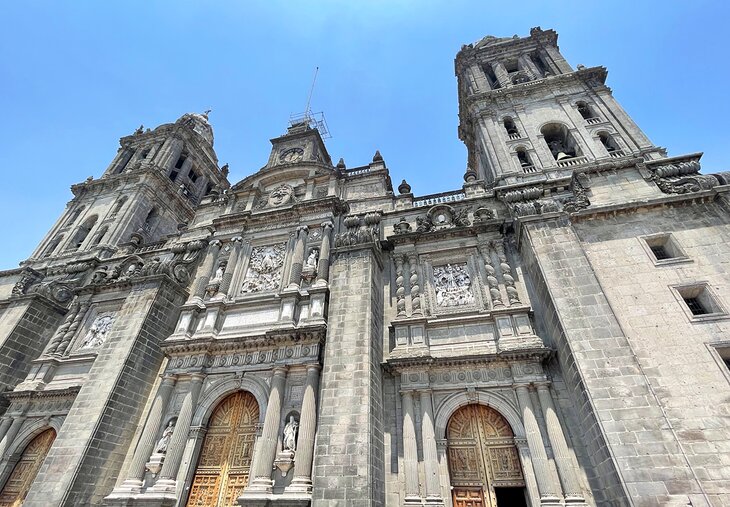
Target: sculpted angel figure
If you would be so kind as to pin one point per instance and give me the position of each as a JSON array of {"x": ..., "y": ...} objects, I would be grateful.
[{"x": 164, "y": 441}]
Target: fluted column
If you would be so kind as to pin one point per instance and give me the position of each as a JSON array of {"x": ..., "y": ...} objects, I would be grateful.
[
  {"x": 501, "y": 73},
  {"x": 4, "y": 425},
  {"x": 206, "y": 269},
  {"x": 266, "y": 450},
  {"x": 176, "y": 447},
  {"x": 10, "y": 435},
  {"x": 323, "y": 266},
  {"x": 549, "y": 490},
  {"x": 568, "y": 477},
  {"x": 410, "y": 449},
  {"x": 295, "y": 275},
  {"x": 136, "y": 471},
  {"x": 430, "y": 454},
  {"x": 302, "y": 481},
  {"x": 225, "y": 285},
  {"x": 415, "y": 284}
]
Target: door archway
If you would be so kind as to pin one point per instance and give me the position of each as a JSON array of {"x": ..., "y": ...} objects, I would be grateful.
[
  {"x": 484, "y": 464},
  {"x": 225, "y": 457},
  {"x": 26, "y": 469}
]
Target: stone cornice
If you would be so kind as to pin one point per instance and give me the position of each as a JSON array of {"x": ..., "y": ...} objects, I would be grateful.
[{"x": 397, "y": 364}]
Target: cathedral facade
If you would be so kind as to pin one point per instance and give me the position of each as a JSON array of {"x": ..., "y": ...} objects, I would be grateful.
[{"x": 553, "y": 332}]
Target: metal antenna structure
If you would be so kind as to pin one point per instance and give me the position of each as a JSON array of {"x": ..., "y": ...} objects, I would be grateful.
[{"x": 313, "y": 120}]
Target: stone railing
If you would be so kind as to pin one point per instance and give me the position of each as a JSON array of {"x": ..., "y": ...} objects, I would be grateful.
[
  {"x": 515, "y": 136},
  {"x": 530, "y": 169},
  {"x": 430, "y": 200},
  {"x": 357, "y": 171},
  {"x": 593, "y": 121},
  {"x": 570, "y": 162},
  {"x": 616, "y": 153}
]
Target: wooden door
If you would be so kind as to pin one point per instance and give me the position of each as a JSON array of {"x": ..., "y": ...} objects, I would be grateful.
[
  {"x": 481, "y": 455},
  {"x": 26, "y": 469},
  {"x": 225, "y": 457}
]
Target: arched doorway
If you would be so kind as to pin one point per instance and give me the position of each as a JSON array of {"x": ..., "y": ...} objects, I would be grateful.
[
  {"x": 225, "y": 457},
  {"x": 23, "y": 475},
  {"x": 484, "y": 464}
]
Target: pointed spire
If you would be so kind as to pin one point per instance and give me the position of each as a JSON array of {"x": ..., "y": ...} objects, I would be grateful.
[
  {"x": 341, "y": 164},
  {"x": 378, "y": 157}
]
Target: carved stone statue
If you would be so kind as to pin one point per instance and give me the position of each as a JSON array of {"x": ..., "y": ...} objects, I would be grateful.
[
  {"x": 290, "y": 434},
  {"x": 312, "y": 259},
  {"x": 164, "y": 441},
  {"x": 97, "y": 332}
]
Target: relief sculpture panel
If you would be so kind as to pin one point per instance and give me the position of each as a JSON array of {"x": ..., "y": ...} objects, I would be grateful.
[{"x": 264, "y": 270}]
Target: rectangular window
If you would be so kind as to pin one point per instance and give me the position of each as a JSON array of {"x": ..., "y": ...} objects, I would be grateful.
[
  {"x": 180, "y": 161},
  {"x": 699, "y": 302},
  {"x": 193, "y": 175},
  {"x": 663, "y": 249},
  {"x": 173, "y": 175}
]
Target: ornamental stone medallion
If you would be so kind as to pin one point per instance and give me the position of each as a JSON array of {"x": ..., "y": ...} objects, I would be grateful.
[
  {"x": 280, "y": 195},
  {"x": 264, "y": 271},
  {"x": 453, "y": 285}
]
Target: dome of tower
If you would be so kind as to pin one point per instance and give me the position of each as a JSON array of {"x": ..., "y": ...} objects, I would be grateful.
[{"x": 199, "y": 123}]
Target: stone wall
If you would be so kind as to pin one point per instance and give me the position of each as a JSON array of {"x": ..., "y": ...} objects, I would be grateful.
[
  {"x": 348, "y": 463},
  {"x": 83, "y": 463}
]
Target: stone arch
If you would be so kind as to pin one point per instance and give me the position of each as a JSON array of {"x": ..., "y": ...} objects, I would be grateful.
[
  {"x": 497, "y": 401},
  {"x": 210, "y": 400},
  {"x": 30, "y": 430}
]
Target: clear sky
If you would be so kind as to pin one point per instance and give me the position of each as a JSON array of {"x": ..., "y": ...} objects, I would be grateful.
[{"x": 77, "y": 76}]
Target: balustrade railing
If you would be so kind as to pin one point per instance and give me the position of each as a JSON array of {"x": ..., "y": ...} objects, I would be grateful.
[
  {"x": 570, "y": 162},
  {"x": 430, "y": 200}
]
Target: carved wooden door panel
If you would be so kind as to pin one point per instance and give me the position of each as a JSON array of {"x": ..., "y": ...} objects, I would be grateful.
[
  {"x": 481, "y": 455},
  {"x": 225, "y": 457},
  {"x": 25, "y": 471}
]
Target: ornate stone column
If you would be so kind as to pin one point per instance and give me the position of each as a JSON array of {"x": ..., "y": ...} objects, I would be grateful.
[
  {"x": 69, "y": 334},
  {"x": 166, "y": 483},
  {"x": 549, "y": 490},
  {"x": 135, "y": 474},
  {"x": 295, "y": 276},
  {"x": 225, "y": 285},
  {"x": 528, "y": 472},
  {"x": 302, "y": 481},
  {"x": 416, "y": 309},
  {"x": 400, "y": 290},
  {"x": 206, "y": 269},
  {"x": 10, "y": 435},
  {"x": 568, "y": 477},
  {"x": 501, "y": 73},
  {"x": 410, "y": 449},
  {"x": 507, "y": 277},
  {"x": 494, "y": 293},
  {"x": 266, "y": 450},
  {"x": 55, "y": 340},
  {"x": 430, "y": 454},
  {"x": 323, "y": 266}
]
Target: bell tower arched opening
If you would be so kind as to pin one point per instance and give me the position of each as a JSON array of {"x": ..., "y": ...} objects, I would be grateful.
[
  {"x": 224, "y": 464},
  {"x": 484, "y": 464}
]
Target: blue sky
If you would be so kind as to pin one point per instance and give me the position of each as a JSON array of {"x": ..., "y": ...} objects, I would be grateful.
[{"x": 77, "y": 76}]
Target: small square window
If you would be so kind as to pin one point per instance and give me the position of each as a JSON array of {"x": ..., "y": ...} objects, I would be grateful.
[
  {"x": 721, "y": 353},
  {"x": 192, "y": 175},
  {"x": 699, "y": 302},
  {"x": 663, "y": 249}
]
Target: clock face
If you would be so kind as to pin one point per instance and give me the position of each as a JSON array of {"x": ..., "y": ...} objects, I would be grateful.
[{"x": 291, "y": 155}]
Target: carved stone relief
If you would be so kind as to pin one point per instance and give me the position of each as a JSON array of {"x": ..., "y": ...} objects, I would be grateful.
[
  {"x": 264, "y": 270},
  {"x": 98, "y": 332},
  {"x": 453, "y": 285}
]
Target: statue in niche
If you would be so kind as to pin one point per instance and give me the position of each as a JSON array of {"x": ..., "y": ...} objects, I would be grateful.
[
  {"x": 309, "y": 270},
  {"x": 312, "y": 259},
  {"x": 164, "y": 441},
  {"x": 97, "y": 332},
  {"x": 218, "y": 276},
  {"x": 290, "y": 434}
]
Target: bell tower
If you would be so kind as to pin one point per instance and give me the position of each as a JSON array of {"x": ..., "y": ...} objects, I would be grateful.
[
  {"x": 150, "y": 189},
  {"x": 524, "y": 112}
]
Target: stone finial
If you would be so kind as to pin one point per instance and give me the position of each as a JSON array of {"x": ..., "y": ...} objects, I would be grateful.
[
  {"x": 470, "y": 175},
  {"x": 581, "y": 66},
  {"x": 224, "y": 170},
  {"x": 377, "y": 157},
  {"x": 341, "y": 164},
  {"x": 404, "y": 187},
  {"x": 139, "y": 130}
]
